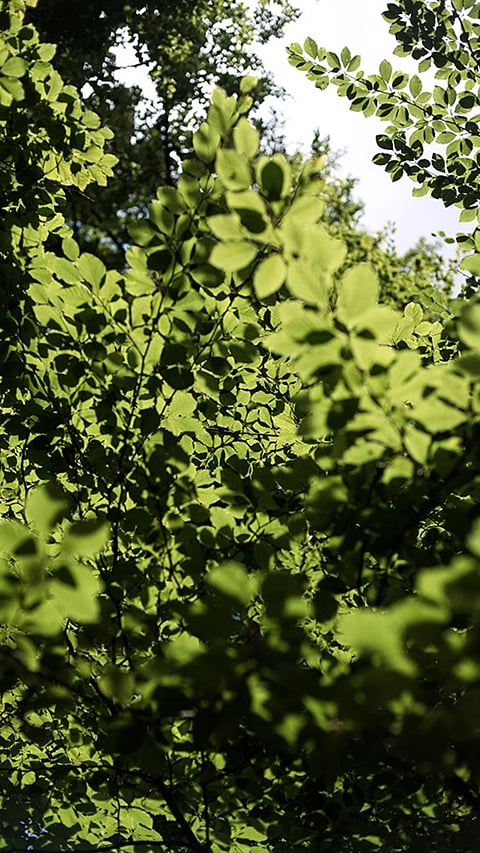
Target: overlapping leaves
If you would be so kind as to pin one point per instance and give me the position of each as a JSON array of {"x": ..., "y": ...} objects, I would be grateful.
[{"x": 287, "y": 471}]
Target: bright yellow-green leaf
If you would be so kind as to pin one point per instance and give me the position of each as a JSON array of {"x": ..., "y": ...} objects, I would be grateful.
[
  {"x": 205, "y": 142},
  {"x": 248, "y": 84},
  {"x": 86, "y": 538},
  {"x": 357, "y": 292},
  {"x": 310, "y": 47},
  {"x": 379, "y": 635},
  {"x": 246, "y": 138},
  {"x": 14, "y": 67},
  {"x": 417, "y": 444},
  {"x": 469, "y": 325},
  {"x": 232, "y": 580},
  {"x": 226, "y": 227},
  {"x": 44, "y": 506},
  {"x": 307, "y": 284},
  {"x": 436, "y": 416},
  {"x": 269, "y": 276},
  {"x": 231, "y": 256},
  {"x": 70, "y": 248},
  {"x": 74, "y": 591},
  {"x": 233, "y": 169},
  {"x": 91, "y": 268},
  {"x": 305, "y": 209},
  {"x": 471, "y": 264}
]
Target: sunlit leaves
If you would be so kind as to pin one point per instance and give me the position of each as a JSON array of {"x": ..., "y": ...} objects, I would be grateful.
[
  {"x": 52, "y": 583},
  {"x": 232, "y": 169},
  {"x": 14, "y": 67},
  {"x": 226, "y": 227},
  {"x": 358, "y": 291},
  {"x": 471, "y": 264},
  {"x": 269, "y": 276},
  {"x": 307, "y": 284},
  {"x": 44, "y": 506},
  {"x": 232, "y": 580},
  {"x": 254, "y": 554},
  {"x": 232, "y": 256},
  {"x": 379, "y": 636},
  {"x": 246, "y": 138}
]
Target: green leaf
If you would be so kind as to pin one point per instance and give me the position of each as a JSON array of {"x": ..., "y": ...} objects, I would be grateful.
[
  {"x": 44, "y": 507},
  {"x": 116, "y": 683},
  {"x": 175, "y": 366},
  {"x": 248, "y": 200},
  {"x": 70, "y": 248},
  {"x": 469, "y": 325},
  {"x": 451, "y": 586},
  {"x": 324, "y": 251},
  {"x": 233, "y": 169},
  {"x": 232, "y": 256},
  {"x": 310, "y": 47},
  {"x": 354, "y": 64},
  {"x": 74, "y": 593},
  {"x": 246, "y": 138},
  {"x": 28, "y": 778},
  {"x": 141, "y": 232},
  {"x": 183, "y": 650},
  {"x": 378, "y": 635},
  {"x": 307, "y": 284},
  {"x": 333, "y": 60},
  {"x": 269, "y": 276},
  {"x": 161, "y": 217},
  {"x": 415, "y": 85},
  {"x": 205, "y": 142},
  {"x": 14, "y": 67},
  {"x": 64, "y": 269},
  {"x": 414, "y": 312},
  {"x": 315, "y": 243},
  {"x": 385, "y": 70},
  {"x": 471, "y": 263},
  {"x": 436, "y": 416},
  {"x": 86, "y": 538},
  {"x": 14, "y": 536},
  {"x": 274, "y": 177},
  {"x": 417, "y": 444},
  {"x": 232, "y": 580},
  {"x": 248, "y": 84},
  {"x": 171, "y": 198},
  {"x": 358, "y": 291},
  {"x": 305, "y": 209},
  {"x": 226, "y": 227}
]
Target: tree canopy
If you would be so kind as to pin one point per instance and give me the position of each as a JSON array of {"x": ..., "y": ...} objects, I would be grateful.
[
  {"x": 184, "y": 48},
  {"x": 239, "y": 547}
]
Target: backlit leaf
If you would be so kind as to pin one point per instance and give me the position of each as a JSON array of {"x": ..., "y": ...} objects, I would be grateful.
[
  {"x": 232, "y": 256},
  {"x": 269, "y": 276}
]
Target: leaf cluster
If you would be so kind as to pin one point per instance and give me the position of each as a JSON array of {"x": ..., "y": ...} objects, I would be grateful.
[
  {"x": 239, "y": 555},
  {"x": 432, "y": 134},
  {"x": 185, "y": 49}
]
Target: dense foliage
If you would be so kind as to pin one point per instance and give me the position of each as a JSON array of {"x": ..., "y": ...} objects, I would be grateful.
[
  {"x": 240, "y": 550},
  {"x": 184, "y": 48}
]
